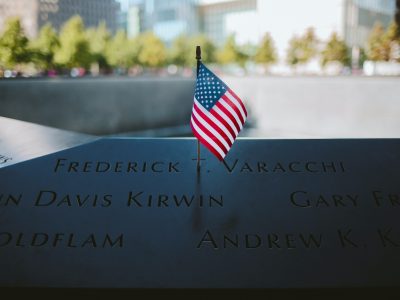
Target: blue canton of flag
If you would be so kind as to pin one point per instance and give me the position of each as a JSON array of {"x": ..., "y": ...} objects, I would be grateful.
[{"x": 218, "y": 114}]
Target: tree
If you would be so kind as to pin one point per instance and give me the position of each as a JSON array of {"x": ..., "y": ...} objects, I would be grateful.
[
  {"x": 152, "y": 52},
  {"x": 391, "y": 42},
  {"x": 122, "y": 52},
  {"x": 383, "y": 45},
  {"x": 294, "y": 51},
  {"x": 310, "y": 44},
  {"x": 266, "y": 53},
  {"x": 375, "y": 49},
  {"x": 178, "y": 54},
  {"x": 335, "y": 50},
  {"x": 302, "y": 49},
  {"x": 207, "y": 49},
  {"x": 98, "y": 39},
  {"x": 183, "y": 50},
  {"x": 230, "y": 53},
  {"x": 13, "y": 45},
  {"x": 44, "y": 47},
  {"x": 74, "y": 48}
]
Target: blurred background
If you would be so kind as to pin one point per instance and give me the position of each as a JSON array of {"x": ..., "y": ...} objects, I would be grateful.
[{"x": 304, "y": 68}]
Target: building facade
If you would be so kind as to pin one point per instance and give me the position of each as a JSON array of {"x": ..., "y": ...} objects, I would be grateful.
[
  {"x": 26, "y": 10},
  {"x": 133, "y": 21},
  {"x": 360, "y": 16},
  {"x": 35, "y": 13},
  {"x": 220, "y": 19},
  {"x": 169, "y": 18}
]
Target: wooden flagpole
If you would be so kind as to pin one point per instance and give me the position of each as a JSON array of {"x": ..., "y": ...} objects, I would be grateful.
[{"x": 198, "y": 58}]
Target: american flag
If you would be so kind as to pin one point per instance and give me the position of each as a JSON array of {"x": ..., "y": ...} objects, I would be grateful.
[{"x": 218, "y": 114}]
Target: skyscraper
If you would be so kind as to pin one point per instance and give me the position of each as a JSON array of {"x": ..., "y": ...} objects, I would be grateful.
[
  {"x": 35, "y": 13},
  {"x": 169, "y": 19}
]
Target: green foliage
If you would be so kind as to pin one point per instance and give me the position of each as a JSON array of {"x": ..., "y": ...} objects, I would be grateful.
[
  {"x": 248, "y": 51},
  {"x": 391, "y": 41},
  {"x": 391, "y": 33},
  {"x": 183, "y": 50},
  {"x": 231, "y": 54},
  {"x": 266, "y": 53},
  {"x": 383, "y": 45},
  {"x": 310, "y": 44},
  {"x": 178, "y": 53},
  {"x": 44, "y": 47},
  {"x": 13, "y": 45},
  {"x": 98, "y": 39},
  {"x": 363, "y": 56},
  {"x": 74, "y": 48},
  {"x": 207, "y": 49},
  {"x": 152, "y": 51},
  {"x": 119, "y": 51},
  {"x": 294, "y": 51},
  {"x": 335, "y": 50},
  {"x": 302, "y": 49},
  {"x": 376, "y": 50}
]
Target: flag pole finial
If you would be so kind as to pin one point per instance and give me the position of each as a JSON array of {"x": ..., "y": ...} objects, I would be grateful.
[
  {"x": 198, "y": 58},
  {"x": 198, "y": 52}
]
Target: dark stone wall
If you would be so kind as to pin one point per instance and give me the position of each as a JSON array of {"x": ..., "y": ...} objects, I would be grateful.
[{"x": 99, "y": 106}]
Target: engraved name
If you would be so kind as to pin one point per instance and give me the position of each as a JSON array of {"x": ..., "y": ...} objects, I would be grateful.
[
  {"x": 60, "y": 240},
  {"x": 138, "y": 199},
  {"x": 142, "y": 199},
  {"x": 67, "y": 166},
  {"x": 239, "y": 166},
  {"x": 256, "y": 240}
]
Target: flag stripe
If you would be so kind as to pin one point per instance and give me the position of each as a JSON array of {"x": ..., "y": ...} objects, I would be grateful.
[
  {"x": 233, "y": 113},
  {"x": 238, "y": 99},
  {"x": 207, "y": 142},
  {"x": 215, "y": 121},
  {"x": 234, "y": 107},
  {"x": 225, "y": 124},
  {"x": 207, "y": 120},
  {"x": 225, "y": 110},
  {"x": 237, "y": 104},
  {"x": 210, "y": 136},
  {"x": 220, "y": 113},
  {"x": 211, "y": 132}
]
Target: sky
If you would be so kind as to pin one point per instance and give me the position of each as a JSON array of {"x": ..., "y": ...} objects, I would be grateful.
[{"x": 283, "y": 19}]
